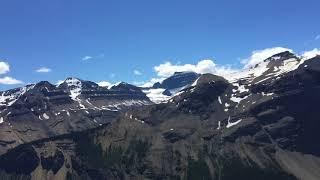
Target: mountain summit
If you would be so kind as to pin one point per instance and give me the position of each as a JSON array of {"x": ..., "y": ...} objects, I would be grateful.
[{"x": 259, "y": 123}]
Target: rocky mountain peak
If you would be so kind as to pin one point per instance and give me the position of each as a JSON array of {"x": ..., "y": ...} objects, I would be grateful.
[
  {"x": 207, "y": 78},
  {"x": 263, "y": 124},
  {"x": 71, "y": 82},
  {"x": 123, "y": 86},
  {"x": 270, "y": 68},
  {"x": 44, "y": 85},
  {"x": 282, "y": 55}
]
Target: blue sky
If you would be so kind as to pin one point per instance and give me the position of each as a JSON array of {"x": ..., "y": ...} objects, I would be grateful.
[{"x": 117, "y": 37}]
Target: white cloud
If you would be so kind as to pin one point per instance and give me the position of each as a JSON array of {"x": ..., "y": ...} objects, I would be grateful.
[
  {"x": 208, "y": 66},
  {"x": 317, "y": 37},
  {"x": 104, "y": 84},
  {"x": 137, "y": 72},
  {"x": 204, "y": 66},
  {"x": 85, "y": 58},
  {"x": 310, "y": 54},
  {"x": 167, "y": 69},
  {"x": 9, "y": 81},
  {"x": 260, "y": 55},
  {"x": 43, "y": 70},
  {"x": 59, "y": 82},
  {"x": 4, "y": 67},
  {"x": 151, "y": 82},
  {"x": 138, "y": 83}
]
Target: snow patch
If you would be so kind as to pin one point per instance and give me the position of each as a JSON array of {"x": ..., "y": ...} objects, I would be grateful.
[
  {"x": 156, "y": 96},
  {"x": 241, "y": 88},
  {"x": 75, "y": 88},
  {"x": 45, "y": 116},
  {"x": 219, "y": 99},
  {"x": 219, "y": 125},
  {"x": 8, "y": 99},
  {"x": 140, "y": 121},
  {"x": 266, "y": 94},
  {"x": 237, "y": 99},
  {"x": 230, "y": 124},
  {"x": 195, "y": 82}
]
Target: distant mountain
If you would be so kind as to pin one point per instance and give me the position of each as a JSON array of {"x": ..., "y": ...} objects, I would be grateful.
[
  {"x": 162, "y": 91},
  {"x": 259, "y": 123},
  {"x": 44, "y": 110},
  {"x": 177, "y": 80}
]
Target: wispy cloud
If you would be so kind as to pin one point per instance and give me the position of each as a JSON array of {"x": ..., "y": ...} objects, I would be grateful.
[
  {"x": 150, "y": 82},
  {"x": 43, "y": 70},
  {"x": 9, "y": 80},
  {"x": 310, "y": 54},
  {"x": 88, "y": 57},
  {"x": 100, "y": 55},
  {"x": 112, "y": 75},
  {"x": 85, "y": 58},
  {"x": 137, "y": 72},
  {"x": 317, "y": 37},
  {"x": 104, "y": 84},
  {"x": 59, "y": 82},
  {"x": 4, "y": 67},
  {"x": 138, "y": 83}
]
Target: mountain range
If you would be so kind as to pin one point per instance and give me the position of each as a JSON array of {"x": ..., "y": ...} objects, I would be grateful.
[{"x": 259, "y": 123}]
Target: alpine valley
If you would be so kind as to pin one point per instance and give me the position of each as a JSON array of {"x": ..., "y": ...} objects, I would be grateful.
[{"x": 260, "y": 123}]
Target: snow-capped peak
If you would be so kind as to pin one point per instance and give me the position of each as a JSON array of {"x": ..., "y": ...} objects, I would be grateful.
[
  {"x": 273, "y": 66},
  {"x": 74, "y": 86},
  {"x": 7, "y": 98}
]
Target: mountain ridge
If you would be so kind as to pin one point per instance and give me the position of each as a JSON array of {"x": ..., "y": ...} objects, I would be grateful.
[{"x": 261, "y": 123}]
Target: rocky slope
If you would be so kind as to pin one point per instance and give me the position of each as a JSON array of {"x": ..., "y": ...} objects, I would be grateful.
[
  {"x": 261, "y": 123},
  {"x": 44, "y": 110}
]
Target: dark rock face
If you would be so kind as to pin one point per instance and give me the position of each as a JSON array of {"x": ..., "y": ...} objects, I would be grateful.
[
  {"x": 294, "y": 112},
  {"x": 209, "y": 88},
  {"x": 179, "y": 79},
  {"x": 22, "y": 160},
  {"x": 53, "y": 163}
]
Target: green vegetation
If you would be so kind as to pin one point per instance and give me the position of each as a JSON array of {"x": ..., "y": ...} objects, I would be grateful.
[
  {"x": 114, "y": 156},
  {"x": 139, "y": 147},
  {"x": 90, "y": 152},
  {"x": 135, "y": 155},
  {"x": 198, "y": 170},
  {"x": 235, "y": 169}
]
